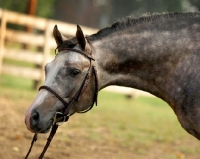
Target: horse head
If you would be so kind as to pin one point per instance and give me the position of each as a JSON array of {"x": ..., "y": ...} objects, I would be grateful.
[{"x": 68, "y": 76}]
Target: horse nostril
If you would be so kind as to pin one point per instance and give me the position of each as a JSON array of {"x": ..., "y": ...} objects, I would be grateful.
[{"x": 34, "y": 118}]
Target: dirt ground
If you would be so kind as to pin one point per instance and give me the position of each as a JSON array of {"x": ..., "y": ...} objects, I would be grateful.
[{"x": 15, "y": 140}]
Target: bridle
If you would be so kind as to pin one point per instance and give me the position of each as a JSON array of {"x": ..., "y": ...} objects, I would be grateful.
[
  {"x": 81, "y": 89},
  {"x": 65, "y": 113}
]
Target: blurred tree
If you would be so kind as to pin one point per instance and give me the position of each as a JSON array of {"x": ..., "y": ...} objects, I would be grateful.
[
  {"x": 139, "y": 7},
  {"x": 15, "y": 5},
  {"x": 98, "y": 13},
  {"x": 45, "y": 8},
  {"x": 163, "y": 5},
  {"x": 195, "y": 3},
  {"x": 93, "y": 13},
  {"x": 124, "y": 8},
  {"x": 172, "y": 5}
]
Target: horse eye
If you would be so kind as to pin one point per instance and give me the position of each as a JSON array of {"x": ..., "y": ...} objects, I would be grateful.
[{"x": 75, "y": 72}]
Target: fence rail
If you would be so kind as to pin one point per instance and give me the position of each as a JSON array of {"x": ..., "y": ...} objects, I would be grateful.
[
  {"x": 41, "y": 37},
  {"x": 34, "y": 47}
]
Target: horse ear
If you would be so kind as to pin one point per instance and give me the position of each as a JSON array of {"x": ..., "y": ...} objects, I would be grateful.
[
  {"x": 80, "y": 37},
  {"x": 59, "y": 38},
  {"x": 82, "y": 41}
]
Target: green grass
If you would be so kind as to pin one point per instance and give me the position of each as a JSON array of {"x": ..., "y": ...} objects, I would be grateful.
[
  {"x": 16, "y": 88},
  {"x": 143, "y": 115},
  {"x": 15, "y": 83},
  {"x": 137, "y": 124},
  {"x": 17, "y": 63}
]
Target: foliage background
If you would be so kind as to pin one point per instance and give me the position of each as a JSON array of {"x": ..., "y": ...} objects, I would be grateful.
[{"x": 99, "y": 13}]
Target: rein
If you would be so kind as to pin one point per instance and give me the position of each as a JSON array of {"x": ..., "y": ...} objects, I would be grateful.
[{"x": 65, "y": 113}]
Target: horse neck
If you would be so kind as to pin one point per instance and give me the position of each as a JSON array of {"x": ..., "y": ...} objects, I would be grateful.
[{"x": 143, "y": 60}]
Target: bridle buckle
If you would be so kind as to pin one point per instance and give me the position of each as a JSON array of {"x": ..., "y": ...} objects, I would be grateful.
[{"x": 60, "y": 120}]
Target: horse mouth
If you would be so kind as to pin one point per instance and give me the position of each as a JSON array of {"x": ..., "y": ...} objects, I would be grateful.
[
  {"x": 58, "y": 118},
  {"x": 42, "y": 128},
  {"x": 45, "y": 130}
]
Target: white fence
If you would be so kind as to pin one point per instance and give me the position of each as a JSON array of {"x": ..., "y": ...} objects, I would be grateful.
[{"x": 40, "y": 37}]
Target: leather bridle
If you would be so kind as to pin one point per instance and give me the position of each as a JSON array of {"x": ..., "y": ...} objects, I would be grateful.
[
  {"x": 65, "y": 113},
  {"x": 81, "y": 89}
]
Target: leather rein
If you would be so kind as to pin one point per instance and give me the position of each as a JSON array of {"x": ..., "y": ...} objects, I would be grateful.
[{"x": 64, "y": 115}]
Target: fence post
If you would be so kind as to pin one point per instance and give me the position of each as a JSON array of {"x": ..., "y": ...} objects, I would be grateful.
[
  {"x": 2, "y": 36},
  {"x": 47, "y": 47}
]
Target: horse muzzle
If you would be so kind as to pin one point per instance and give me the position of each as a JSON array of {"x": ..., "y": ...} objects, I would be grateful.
[{"x": 36, "y": 124}]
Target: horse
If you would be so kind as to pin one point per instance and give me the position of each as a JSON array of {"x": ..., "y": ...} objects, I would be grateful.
[{"x": 158, "y": 53}]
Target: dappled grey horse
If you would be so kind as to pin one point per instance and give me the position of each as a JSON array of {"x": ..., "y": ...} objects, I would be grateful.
[{"x": 159, "y": 54}]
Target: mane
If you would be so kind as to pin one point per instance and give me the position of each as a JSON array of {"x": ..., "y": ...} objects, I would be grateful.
[
  {"x": 71, "y": 43},
  {"x": 130, "y": 21}
]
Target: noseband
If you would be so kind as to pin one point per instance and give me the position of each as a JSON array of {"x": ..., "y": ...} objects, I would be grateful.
[{"x": 65, "y": 113}]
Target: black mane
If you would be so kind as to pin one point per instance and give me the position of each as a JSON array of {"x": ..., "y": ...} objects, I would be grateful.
[
  {"x": 131, "y": 21},
  {"x": 71, "y": 43}
]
